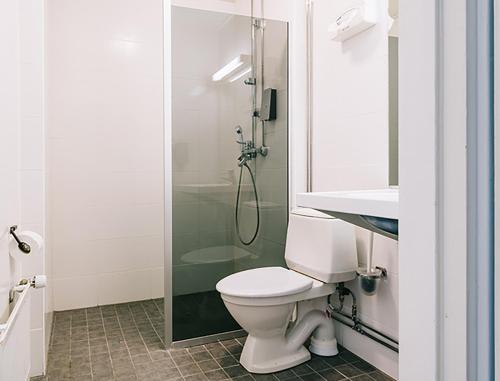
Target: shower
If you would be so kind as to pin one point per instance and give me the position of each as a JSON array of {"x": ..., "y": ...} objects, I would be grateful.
[
  {"x": 224, "y": 221},
  {"x": 267, "y": 112}
]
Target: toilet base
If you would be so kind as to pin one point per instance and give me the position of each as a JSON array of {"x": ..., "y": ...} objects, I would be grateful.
[
  {"x": 326, "y": 348},
  {"x": 268, "y": 355}
]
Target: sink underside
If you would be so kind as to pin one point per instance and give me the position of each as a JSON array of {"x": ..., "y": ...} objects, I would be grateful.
[
  {"x": 387, "y": 227},
  {"x": 375, "y": 210}
]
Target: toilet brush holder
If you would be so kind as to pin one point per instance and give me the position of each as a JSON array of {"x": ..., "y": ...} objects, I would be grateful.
[{"x": 370, "y": 279}]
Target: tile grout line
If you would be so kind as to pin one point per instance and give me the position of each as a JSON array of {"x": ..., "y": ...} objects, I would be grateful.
[
  {"x": 227, "y": 350},
  {"x": 71, "y": 339},
  {"x": 88, "y": 341},
  {"x": 152, "y": 325},
  {"x": 140, "y": 333},
  {"x": 107, "y": 342},
  {"x": 125, "y": 342},
  {"x": 220, "y": 367},
  {"x": 147, "y": 349}
]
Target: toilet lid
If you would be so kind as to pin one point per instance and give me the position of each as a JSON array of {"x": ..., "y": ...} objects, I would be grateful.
[{"x": 264, "y": 282}]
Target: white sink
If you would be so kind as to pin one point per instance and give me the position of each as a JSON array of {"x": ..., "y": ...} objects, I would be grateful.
[
  {"x": 376, "y": 203},
  {"x": 205, "y": 188},
  {"x": 211, "y": 188},
  {"x": 376, "y": 210}
]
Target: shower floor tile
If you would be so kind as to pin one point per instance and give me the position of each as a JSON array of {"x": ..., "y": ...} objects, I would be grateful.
[
  {"x": 125, "y": 342},
  {"x": 201, "y": 314}
]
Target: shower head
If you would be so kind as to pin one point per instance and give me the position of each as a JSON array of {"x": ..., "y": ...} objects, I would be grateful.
[{"x": 239, "y": 132}]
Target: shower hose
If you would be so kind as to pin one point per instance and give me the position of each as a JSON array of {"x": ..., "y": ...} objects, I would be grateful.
[{"x": 236, "y": 214}]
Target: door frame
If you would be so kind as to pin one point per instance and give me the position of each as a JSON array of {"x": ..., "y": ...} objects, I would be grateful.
[{"x": 445, "y": 193}]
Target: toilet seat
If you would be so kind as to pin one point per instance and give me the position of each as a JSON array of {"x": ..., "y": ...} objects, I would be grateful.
[
  {"x": 264, "y": 282},
  {"x": 268, "y": 286}
]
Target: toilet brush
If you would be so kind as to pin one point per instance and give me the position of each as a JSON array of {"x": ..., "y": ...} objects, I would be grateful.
[
  {"x": 369, "y": 254},
  {"x": 369, "y": 277}
]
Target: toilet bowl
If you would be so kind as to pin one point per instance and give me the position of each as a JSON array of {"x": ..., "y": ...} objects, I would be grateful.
[{"x": 281, "y": 308}]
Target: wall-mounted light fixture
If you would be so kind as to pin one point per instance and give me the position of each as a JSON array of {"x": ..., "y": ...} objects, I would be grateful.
[{"x": 231, "y": 68}]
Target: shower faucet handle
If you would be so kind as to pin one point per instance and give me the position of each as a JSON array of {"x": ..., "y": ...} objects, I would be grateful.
[{"x": 250, "y": 81}]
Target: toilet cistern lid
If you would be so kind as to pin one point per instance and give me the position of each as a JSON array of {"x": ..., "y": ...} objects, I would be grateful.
[{"x": 264, "y": 282}]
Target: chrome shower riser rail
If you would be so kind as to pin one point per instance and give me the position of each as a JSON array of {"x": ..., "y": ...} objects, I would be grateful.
[{"x": 309, "y": 75}]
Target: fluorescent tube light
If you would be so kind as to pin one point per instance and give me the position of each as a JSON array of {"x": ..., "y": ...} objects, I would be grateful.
[
  {"x": 240, "y": 74},
  {"x": 230, "y": 68}
]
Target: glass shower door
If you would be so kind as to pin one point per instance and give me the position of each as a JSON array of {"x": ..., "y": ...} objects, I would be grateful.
[{"x": 211, "y": 60}]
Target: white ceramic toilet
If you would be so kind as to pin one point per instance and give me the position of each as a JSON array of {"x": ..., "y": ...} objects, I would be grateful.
[{"x": 320, "y": 252}]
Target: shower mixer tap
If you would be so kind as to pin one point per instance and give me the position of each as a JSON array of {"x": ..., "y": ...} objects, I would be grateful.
[
  {"x": 248, "y": 150},
  {"x": 248, "y": 156},
  {"x": 247, "y": 153}
]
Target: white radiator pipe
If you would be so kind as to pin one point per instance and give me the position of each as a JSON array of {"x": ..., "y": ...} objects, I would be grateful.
[{"x": 320, "y": 325}]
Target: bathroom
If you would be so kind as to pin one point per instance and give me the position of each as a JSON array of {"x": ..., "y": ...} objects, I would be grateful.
[{"x": 210, "y": 190}]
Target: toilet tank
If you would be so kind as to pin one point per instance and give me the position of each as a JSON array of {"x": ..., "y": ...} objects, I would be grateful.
[{"x": 321, "y": 246}]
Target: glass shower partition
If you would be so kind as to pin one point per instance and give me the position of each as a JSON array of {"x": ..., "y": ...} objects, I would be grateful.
[{"x": 211, "y": 60}]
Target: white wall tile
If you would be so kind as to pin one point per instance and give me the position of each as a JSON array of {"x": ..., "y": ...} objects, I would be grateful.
[
  {"x": 31, "y": 90},
  {"x": 37, "y": 309},
  {"x": 21, "y": 147},
  {"x": 32, "y": 138},
  {"x": 105, "y": 149},
  {"x": 75, "y": 292},
  {"x": 124, "y": 287},
  {"x": 32, "y": 196},
  {"x": 9, "y": 120},
  {"x": 140, "y": 252},
  {"x": 73, "y": 258},
  {"x": 32, "y": 163},
  {"x": 350, "y": 110},
  {"x": 37, "y": 352},
  {"x": 350, "y": 151},
  {"x": 158, "y": 282}
]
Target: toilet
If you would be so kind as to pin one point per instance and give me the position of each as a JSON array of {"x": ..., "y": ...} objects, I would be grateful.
[{"x": 281, "y": 308}]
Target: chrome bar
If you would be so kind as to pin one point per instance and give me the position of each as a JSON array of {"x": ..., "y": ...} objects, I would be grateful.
[{"x": 309, "y": 126}]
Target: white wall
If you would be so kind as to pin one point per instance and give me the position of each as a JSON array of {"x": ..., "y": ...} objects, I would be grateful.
[
  {"x": 32, "y": 168},
  {"x": 22, "y": 157},
  {"x": 350, "y": 151},
  {"x": 350, "y": 104},
  {"x": 105, "y": 150},
  {"x": 9, "y": 142}
]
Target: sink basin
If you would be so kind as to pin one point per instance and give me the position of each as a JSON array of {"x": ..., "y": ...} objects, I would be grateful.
[
  {"x": 205, "y": 188},
  {"x": 375, "y": 210}
]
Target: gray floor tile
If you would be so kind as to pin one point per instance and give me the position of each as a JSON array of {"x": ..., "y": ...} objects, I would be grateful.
[{"x": 124, "y": 342}]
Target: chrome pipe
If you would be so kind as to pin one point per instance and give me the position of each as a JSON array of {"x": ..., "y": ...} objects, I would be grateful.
[
  {"x": 366, "y": 326},
  {"x": 356, "y": 328},
  {"x": 253, "y": 81},
  {"x": 355, "y": 322},
  {"x": 309, "y": 15}
]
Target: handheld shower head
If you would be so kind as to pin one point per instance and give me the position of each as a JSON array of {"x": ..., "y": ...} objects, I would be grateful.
[{"x": 239, "y": 132}]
